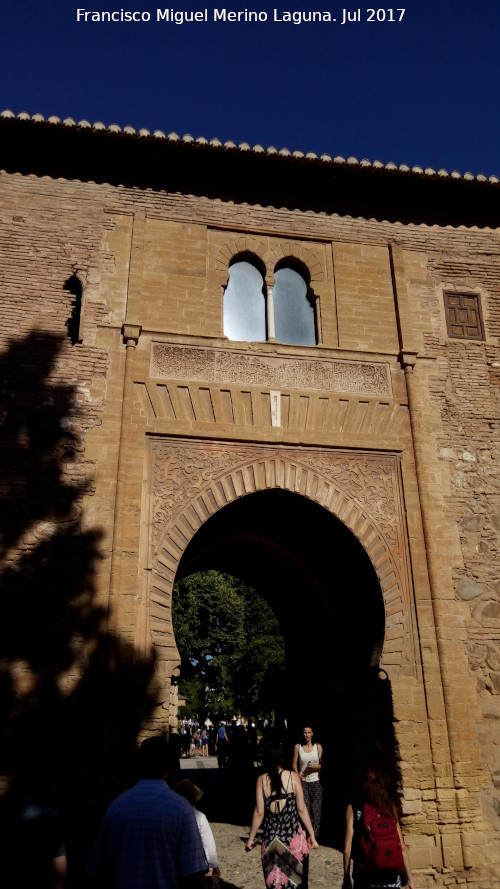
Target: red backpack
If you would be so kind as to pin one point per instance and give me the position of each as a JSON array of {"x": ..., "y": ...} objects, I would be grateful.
[{"x": 379, "y": 844}]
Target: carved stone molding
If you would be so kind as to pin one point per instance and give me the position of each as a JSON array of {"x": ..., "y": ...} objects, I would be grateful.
[
  {"x": 170, "y": 361},
  {"x": 192, "y": 480},
  {"x": 270, "y": 252}
]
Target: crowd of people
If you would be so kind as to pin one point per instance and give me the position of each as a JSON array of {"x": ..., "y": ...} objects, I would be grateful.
[
  {"x": 234, "y": 744},
  {"x": 153, "y": 835}
]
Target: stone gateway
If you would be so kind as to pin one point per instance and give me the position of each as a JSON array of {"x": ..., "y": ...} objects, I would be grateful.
[{"x": 285, "y": 367}]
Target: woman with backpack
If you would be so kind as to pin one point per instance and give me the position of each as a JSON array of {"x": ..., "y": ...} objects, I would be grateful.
[{"x": 373, "y": 838}]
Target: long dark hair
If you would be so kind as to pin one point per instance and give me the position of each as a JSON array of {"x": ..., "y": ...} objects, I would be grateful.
[
  {"x": 273, "y": 760},
  {"x": 374, "y": 786}
]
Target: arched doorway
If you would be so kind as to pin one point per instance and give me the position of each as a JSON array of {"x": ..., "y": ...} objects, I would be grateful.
[
  {"x": 315, "y": 575},
  {"x": 322, "y": 534},
  {"x": 325, "y": 592}
]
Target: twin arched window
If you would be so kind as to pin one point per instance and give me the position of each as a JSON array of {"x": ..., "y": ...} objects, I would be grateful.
[{"x": 255, "y": 313}]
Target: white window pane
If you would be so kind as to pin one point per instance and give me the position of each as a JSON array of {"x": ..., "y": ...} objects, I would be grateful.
[
  {"x": 293, "y": 313},
  {"x": 244, "y": 304}
]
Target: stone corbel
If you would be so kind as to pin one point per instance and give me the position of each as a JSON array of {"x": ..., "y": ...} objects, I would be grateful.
[
  {"x": 131, "y": 334},
  {"x": 408, "y": 360}
]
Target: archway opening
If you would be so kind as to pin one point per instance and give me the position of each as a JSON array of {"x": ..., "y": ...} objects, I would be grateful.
[
  {"x": 325, "y": 593},
  {"x": 231, "y": 648}
]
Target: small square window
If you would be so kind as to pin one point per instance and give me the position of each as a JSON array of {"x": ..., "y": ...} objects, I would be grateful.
[{"x": 463, "y": 316}]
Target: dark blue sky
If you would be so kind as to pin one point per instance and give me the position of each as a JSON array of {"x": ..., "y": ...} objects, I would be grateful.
[{"x": 425, "y": 90}]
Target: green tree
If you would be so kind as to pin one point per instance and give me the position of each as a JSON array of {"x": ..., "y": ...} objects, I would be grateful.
[
  {"x": 229, "y": 641},
  {"x": 260, "y": 669}
]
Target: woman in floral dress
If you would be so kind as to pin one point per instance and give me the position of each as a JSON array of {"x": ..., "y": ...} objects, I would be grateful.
[{"x": 280, "y": 805}]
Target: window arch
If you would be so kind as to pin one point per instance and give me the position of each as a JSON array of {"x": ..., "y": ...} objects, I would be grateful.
[
  {"x": 244, "y": 301},
  {"x": 294, "y": 312}
]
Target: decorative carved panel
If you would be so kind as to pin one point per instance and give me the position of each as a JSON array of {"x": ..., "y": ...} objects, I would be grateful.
[
  {"x": 192, "y": 480},
  {"x": 228, "y": 366}
]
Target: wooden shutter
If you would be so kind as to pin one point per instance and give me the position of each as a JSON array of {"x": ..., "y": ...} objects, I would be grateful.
[{"x": 463, "y": 316}]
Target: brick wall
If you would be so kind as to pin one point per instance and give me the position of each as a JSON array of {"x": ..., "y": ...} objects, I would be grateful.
[{"x": 156, "y": 261}]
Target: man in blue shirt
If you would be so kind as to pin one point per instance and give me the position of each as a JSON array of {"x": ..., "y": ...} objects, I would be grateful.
[
  {"x": 149, "y": 838},
  {"x": 222, "y": 746}
]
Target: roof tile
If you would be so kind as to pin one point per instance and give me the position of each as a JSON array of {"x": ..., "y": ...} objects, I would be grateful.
[{"x": 244, "y": 146}]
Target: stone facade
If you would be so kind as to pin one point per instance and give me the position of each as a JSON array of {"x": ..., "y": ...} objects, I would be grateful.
[{"x": 389, "y": 426}]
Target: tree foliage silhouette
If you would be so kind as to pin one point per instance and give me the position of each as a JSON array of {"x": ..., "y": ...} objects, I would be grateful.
[{"x": 73, "y": 695}]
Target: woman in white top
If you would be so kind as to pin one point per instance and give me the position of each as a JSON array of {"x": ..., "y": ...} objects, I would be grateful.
[{"x": 307, "y": 762}]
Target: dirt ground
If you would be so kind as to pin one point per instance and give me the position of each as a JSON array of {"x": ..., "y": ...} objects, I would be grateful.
[{"x": 243, "y": 869}]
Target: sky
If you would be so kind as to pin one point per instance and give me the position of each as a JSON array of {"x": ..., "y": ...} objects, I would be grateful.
[{"x": 422, "y": 87}]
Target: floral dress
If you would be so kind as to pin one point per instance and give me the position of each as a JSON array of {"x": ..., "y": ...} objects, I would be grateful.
[{"x": 285, "y": 853}]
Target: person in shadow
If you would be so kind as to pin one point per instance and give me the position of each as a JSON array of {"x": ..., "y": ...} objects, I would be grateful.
[
  {"x": 32, "y": 837},
  {"x": 193, "y": 794},
  {"x": 149, "y": 838}
]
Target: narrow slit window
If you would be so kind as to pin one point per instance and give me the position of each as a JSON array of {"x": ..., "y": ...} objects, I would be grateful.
[{"x": 74, "y": 286}]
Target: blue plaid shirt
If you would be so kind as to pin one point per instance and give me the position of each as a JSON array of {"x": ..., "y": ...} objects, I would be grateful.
[{"x": 149, "y": 839}]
